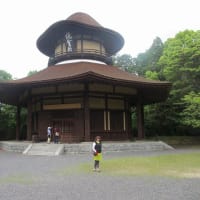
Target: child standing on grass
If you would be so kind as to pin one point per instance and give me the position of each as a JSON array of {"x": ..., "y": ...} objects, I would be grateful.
[{"x": 96, "y": 148}]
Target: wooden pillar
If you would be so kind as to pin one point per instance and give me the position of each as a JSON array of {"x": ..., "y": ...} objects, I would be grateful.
[
  {"x": 29, "y": 121},
  {"x": 18, "y": 120},
  {"x": 128, "y": 124},
  {"x": 127, "y": 119},
  {"x": 107, "y": 122},
  {"x": 140, "y": 119},
  {"x": 86, "y": 116}
]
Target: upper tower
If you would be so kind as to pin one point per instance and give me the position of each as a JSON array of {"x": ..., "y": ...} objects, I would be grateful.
[{"x": 79, "y": 37}]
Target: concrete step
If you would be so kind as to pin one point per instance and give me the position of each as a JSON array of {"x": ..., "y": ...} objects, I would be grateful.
[{"x": 44, "y": 149}]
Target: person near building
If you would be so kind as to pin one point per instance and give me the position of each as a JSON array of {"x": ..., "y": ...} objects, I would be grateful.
[
  {"x": 97, "y": 152},
  {"x": 49, "y": 129},
  {"x": 57, "y": 134}
]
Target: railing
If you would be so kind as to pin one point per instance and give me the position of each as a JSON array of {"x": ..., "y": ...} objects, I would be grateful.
[
  {"x": 78, "y": 51},
  {"x": 81, "y": 54}
]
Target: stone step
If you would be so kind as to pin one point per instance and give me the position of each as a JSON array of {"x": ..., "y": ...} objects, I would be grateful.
[
  {"x": 28, "y": 148},
  {"x": 44, "y": 149},
  {"x": 85, "y": 147}
]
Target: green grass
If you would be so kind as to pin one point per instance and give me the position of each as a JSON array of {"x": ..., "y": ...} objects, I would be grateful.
[
  {"x": 176, "y": 165},
  {"x": 20, "y": 179}
]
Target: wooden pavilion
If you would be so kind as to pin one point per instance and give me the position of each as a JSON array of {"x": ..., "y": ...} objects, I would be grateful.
[{"x": 80, "y": 92}]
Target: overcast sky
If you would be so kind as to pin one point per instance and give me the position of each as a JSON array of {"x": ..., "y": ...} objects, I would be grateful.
[{"x": 138, "y": 21}]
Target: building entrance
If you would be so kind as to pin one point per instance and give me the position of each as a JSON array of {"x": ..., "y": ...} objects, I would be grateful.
[{"x": 64, "y": 126}]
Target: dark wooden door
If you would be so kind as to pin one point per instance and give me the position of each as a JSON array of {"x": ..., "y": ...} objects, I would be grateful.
[{"x": 64, "y": 126}]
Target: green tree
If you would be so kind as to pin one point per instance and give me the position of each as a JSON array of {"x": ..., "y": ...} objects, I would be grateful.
[
  {"x": 7, "y": 121},
  {"x": 125, "y": 62},
  {"x": 151, "y": 75},
  {"x": 180, "y": 64},
  {"x": 149, "y": 59},
  {"x": 191, "y": 112},
  {"x": 7, "y": 113},
  {"x": 5, "y": 75},
  {"x": 32, "y": 72}
]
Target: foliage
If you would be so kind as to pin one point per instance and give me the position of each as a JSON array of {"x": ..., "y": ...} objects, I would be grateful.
[
  {"x": 7, "y": 114},
  {"x": 32, "y": 72},
  {"x": 147, "y": 61},
  {"x": 125, "y": 62},
  {"x": 151, "y": 75},
  {"x": 161, "y": 119},
  {"x": 177, "y": 61},
  {"x": 191, "y": 112},
  {"x": 7, "y": 121},
  {"x": 5, "y": 75},
  {"x": 180, "y": 64}
]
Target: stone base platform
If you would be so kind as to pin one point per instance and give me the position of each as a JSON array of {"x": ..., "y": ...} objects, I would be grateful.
[{"x": 85, "y": 147}]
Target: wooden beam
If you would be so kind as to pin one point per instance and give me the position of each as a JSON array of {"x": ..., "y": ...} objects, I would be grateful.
[{"x": 62, "y": 106}]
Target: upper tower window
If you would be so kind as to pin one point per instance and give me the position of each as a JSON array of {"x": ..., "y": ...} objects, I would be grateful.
[{"x": 79, "y": 44}]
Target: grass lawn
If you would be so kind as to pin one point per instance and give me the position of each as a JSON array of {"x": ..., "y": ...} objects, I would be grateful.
[{"x": 176, "y": 165}]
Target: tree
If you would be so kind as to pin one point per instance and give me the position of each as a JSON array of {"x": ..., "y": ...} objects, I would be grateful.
[
  {"x": 149, "y": 59},
  {"x": 177, "y": 61},
  {"x": 151, "y": 75},
  {"x": 7, "y": 121},
  {"x": 7, "y": 113},
  {"x": 32, "y": 72},
  {"x": 5, "y": 75},
  {"x": 180, "y": 64},
  {"x": 191, "y": 112},
  {"x": 125, "y": 62}
]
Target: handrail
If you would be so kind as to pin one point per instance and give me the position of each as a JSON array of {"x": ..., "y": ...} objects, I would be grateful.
[
  {"x": 90, "y": 51},
  {"x": 80, "y": 54}
]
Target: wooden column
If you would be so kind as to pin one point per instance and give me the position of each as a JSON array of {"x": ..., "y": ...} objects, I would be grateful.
[
  {"x": 140, "y": 119},
  {"x": 18, "y": 120},
  {"x": 127, "y": 118},
  {"x": 86, "y": 116},
  {"x": 29, "y": 121},
  {"x": 106, "y": 115}
]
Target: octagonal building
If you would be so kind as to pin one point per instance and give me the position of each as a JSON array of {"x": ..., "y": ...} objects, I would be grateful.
[{"x": 80, "y": 92}]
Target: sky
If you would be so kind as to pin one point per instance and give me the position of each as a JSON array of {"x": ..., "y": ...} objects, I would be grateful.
[{"x": 138, "y": 21}]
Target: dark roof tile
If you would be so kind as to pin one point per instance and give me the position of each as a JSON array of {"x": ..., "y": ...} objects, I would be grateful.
[{"x": 73, "y": 70}]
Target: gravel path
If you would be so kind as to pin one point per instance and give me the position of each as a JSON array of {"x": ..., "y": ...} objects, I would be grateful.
[{"x": 38, "y": 177}]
